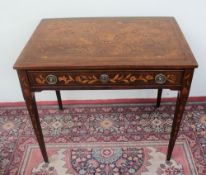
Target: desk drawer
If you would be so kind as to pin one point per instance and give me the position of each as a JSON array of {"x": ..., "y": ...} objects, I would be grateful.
[{"x": 105, "y": 78}]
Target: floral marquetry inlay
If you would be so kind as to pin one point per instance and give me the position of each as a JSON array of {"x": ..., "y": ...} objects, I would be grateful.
[
  {"x": 86, "y": 79},
  {"x": 112, "y": 78},
  {"x": 40, "y": 79},
  {"x": 66, "y": 79},
  {"x": 131, "y": 78}
]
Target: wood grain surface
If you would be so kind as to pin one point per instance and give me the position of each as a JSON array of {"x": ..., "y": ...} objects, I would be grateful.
[{"x": 91, "y": 43}]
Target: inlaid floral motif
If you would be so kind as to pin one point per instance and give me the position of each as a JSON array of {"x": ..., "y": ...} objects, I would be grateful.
[
  {"x": 66, "y": 79},
  {"x": 24, "y": 83},
  {"x": 40, "y": 79},
  {"x": 171, "y": 78},
  {"x": 129, "y": 78},
  {"x": 86, "y": 79}
]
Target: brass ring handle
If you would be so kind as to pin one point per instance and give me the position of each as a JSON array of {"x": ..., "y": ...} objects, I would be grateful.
[
  {"x": 104, "y": 78},
  {"x": 160, "y": 79},
  {"x": 51, "y": 79}
]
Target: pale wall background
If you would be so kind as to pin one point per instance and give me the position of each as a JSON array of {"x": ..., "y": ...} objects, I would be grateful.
[{"x": 20, "y": 17}]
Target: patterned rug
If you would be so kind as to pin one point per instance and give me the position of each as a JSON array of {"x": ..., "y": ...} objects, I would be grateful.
[{"x": 103, "y": 139}]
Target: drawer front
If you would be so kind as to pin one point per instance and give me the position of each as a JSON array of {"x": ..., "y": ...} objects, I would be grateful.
[{"x": 105, "y": 78}]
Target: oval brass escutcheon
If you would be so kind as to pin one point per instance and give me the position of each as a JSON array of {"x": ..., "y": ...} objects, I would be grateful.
[
  {"x": 160, "y": 79},
  {"x": 104, "y": 78},
  {"x": 51, "y": 79}
]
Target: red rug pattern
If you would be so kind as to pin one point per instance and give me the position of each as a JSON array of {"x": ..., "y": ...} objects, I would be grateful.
[{"x": 103, "y": 139}]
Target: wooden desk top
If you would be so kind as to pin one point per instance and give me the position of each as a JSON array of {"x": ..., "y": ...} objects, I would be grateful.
[{"x": 107, "y": 43}]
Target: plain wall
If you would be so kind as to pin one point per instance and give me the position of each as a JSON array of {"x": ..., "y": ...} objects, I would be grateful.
[{"x": 19, "y": 19}]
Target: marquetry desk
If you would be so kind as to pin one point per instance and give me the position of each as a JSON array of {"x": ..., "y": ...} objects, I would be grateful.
[{"x": 106, "y": 53}]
